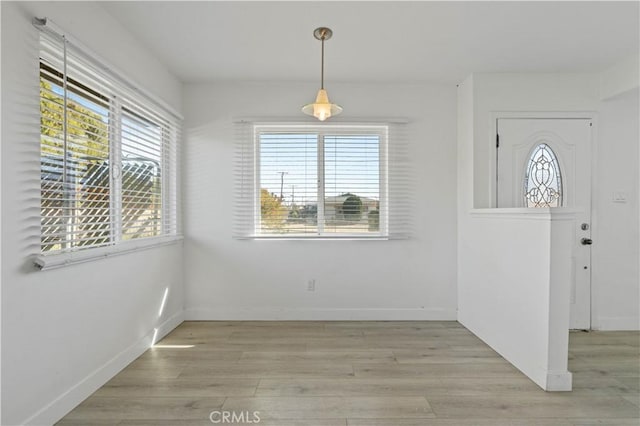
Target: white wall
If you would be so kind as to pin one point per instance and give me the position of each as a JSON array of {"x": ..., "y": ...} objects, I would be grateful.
[
  {"x": 620, "y": 78},
  {"x": 521, "y": 311},
  {"x": 615, "y": 274},
  {"x": 229, "y": 279},
  {"x": 66, "y": 331}
]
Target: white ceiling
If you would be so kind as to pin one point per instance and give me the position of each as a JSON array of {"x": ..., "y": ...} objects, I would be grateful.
[{"x": 380, "y": 41}]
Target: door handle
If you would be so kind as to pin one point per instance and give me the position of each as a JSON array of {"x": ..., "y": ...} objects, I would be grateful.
[{"x": 586, "y": 241}]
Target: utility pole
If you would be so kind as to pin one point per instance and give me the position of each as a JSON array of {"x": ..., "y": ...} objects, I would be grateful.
[
  {"x": 282, "y": 183},
  {"x": 293, "y": 195}
]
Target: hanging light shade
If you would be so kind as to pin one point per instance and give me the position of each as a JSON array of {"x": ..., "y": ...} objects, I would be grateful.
[{"x": 322, "y": 108}]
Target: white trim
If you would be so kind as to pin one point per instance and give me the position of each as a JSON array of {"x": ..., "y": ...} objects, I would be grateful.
[
  {"x": 558, "y": 381},
  {"x": 384, "y": 165},
  {"x": 321, "y": 218},
  {"x": 59, "y": 407},
  {"x": 616, "y": 323},
  {"x": 593, "y": 216},
  {"x": 524, "y": 213},
  {"x": 115, "y": 171},
  {"x": 53, "y": 261},
  {"x": 315, "y": 237},
  {"x": 318, "y": 314}
]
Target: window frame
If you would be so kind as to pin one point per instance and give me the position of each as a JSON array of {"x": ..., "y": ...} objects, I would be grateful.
[
  {"x": 322, "y": 131},
  {"x": 120, "y": 98},
  {"x": 557, "y": 171},
  {"x": 75, "y": 88}
]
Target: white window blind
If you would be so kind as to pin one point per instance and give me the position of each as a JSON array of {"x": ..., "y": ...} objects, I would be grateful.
[
  {"x": 109, "y": 155},
  {"x": 288, "y": 183},
  {"x": 327, "y": 181}
]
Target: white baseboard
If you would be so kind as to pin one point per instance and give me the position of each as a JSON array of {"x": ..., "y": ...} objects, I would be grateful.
[
  {"x": 559, "y": 381},
  {"x": 288, "y": 314},
  {"x": 66, "y": 402},
  {"x": 616, "y": 323}
]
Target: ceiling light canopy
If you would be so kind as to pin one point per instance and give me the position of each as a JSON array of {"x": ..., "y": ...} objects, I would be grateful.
[{"x": 322, "y": 108}]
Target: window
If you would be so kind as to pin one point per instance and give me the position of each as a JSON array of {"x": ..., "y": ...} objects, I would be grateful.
[
  {"x": 323, "y": 181},
  {"x": 543, "y": 181},
  {"x": 108, "y": 156},
  {"x": 74, "y": 148},
  {"x": 305, "y": 181}
]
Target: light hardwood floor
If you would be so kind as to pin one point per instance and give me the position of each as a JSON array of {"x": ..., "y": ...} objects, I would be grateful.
[{"x": 360, "y": 374}]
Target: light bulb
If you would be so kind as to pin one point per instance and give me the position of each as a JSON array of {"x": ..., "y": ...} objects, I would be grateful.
[{"x": 322, "y": 111}]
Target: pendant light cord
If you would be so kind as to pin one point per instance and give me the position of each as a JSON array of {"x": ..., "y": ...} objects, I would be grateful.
[{"x": 322, "y": 64}]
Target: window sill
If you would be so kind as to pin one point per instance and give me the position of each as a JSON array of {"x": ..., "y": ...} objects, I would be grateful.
[
  {"x": 53, "y": 261},
  {"x": 346, "y": 237}
]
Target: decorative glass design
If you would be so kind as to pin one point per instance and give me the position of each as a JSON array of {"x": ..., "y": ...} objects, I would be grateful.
[{"x": 543, "y": 181}]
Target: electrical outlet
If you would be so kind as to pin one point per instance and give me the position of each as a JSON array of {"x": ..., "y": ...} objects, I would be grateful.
[{"x": 311, "y": 285}]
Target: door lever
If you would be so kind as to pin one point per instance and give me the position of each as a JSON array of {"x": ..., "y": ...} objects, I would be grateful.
[{"x": 586, "y": 241}]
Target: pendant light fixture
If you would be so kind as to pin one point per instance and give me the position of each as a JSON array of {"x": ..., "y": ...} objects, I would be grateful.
[{"x": 322, "y": 108}]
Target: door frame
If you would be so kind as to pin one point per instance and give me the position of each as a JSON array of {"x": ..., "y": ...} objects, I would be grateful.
[{"x": 546, "y": 115}]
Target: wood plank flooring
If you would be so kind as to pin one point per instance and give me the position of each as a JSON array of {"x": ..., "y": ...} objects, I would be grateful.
[{"x": 360, "y": 374}]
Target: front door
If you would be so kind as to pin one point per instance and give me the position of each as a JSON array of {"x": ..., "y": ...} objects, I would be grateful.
[{"x": 546, "y": 162}]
